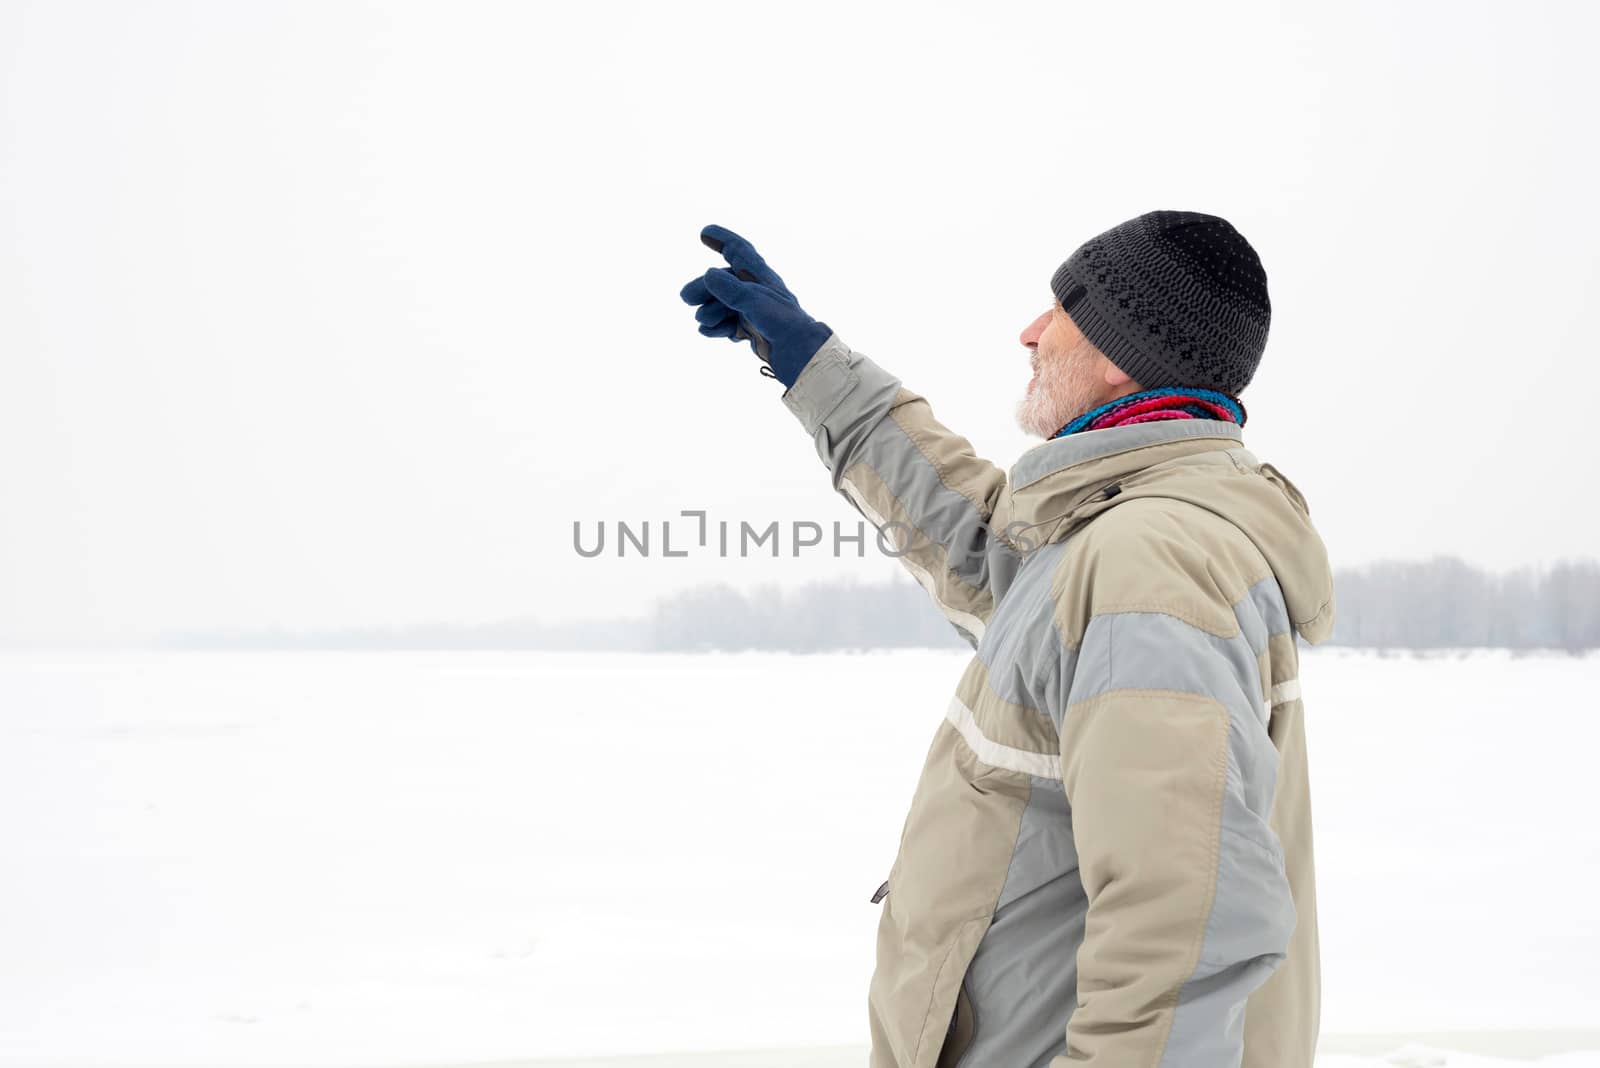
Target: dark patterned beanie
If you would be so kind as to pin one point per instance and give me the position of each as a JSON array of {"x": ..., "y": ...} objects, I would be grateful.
[{"x": 1174, "y": 298}]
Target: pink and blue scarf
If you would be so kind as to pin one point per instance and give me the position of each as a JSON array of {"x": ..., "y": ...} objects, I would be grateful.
[{"x": 1166, "y": 402}]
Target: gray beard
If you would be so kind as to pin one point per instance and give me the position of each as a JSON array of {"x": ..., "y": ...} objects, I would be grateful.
[{"x": 1066, "y": 389}]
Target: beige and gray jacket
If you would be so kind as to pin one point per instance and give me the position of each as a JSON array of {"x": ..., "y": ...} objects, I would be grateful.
[{"x": 1107, "y": 860}]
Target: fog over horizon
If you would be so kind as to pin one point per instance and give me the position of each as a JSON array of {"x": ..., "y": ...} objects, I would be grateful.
[{"x": 332, "y": 317}]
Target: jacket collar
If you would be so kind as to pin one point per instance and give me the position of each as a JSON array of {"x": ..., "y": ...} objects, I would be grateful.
[
  {"x": 1060, "y": 480},
  {"x": 1059, "y": 453},
  {"x": 1058, "y": 486}
]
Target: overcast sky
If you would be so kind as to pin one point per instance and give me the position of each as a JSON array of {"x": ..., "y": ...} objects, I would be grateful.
[{"x": 332, "y": 314}]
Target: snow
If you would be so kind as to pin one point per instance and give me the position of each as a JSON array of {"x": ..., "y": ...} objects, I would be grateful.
[{"x": 441, "y": 859}]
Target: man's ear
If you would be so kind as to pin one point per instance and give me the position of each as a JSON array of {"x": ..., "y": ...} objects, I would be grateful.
[{"x": 1115, "y": 376}]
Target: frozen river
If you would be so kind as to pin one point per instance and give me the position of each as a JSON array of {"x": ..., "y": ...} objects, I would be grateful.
[{"x": 445, "y": 858}]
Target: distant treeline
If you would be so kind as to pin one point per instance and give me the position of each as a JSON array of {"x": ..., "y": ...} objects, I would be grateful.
[
  {"x": 1430, "y": 604},
  {"x": 814, "y": 618},
  {"x": 1446, "y": 602}
]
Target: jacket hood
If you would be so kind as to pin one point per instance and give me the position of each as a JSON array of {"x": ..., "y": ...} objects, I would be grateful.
[{"x": 1060, "y": 485}]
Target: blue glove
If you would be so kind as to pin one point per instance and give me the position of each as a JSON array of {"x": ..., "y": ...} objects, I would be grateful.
[{"x": 747, "y": 301}]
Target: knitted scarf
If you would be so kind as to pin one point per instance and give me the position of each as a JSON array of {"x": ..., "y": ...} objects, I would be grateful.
[{"x": 1166, "y": 402}]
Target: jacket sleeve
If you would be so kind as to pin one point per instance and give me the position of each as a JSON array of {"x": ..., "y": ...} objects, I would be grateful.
[
  {"x": 1169, "y": 772},
  {"x": 933, "y": 501}
]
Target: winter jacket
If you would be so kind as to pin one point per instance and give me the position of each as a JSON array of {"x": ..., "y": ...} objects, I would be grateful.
[{"x": 1107, "y": 859}]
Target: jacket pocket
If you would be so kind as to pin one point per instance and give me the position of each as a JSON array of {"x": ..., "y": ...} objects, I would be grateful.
[{"x": 883, "y": 891}]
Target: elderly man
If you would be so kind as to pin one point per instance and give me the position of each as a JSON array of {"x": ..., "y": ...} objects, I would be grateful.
[{"x": 1107, "y": 860}]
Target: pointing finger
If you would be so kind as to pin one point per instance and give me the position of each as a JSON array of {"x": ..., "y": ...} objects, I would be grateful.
[{"x": 741, "y": 256}]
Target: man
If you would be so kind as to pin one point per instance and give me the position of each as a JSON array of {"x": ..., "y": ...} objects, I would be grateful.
[{"x": 1108, "y": 855}]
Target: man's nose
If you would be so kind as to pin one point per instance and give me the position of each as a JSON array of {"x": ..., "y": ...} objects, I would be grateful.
[{"x": 1030, "y": 334}]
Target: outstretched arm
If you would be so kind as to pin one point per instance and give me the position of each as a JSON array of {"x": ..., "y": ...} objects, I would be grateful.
[
  {"x": 921, "y": 485},
  {"x": 936, "y": 505}
]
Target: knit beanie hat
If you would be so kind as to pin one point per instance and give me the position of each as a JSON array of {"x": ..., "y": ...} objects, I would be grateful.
[{"x": 1173, "y": 298}]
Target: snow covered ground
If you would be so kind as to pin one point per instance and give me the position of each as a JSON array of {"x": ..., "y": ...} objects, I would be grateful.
[{"x": 456, "y": 858}]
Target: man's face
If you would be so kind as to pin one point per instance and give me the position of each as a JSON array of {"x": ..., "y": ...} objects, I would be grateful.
[{"x": 1068, "y": 375}]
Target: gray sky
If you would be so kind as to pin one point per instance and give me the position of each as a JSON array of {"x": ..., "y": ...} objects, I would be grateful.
[{"x": 330, "y": 314}]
